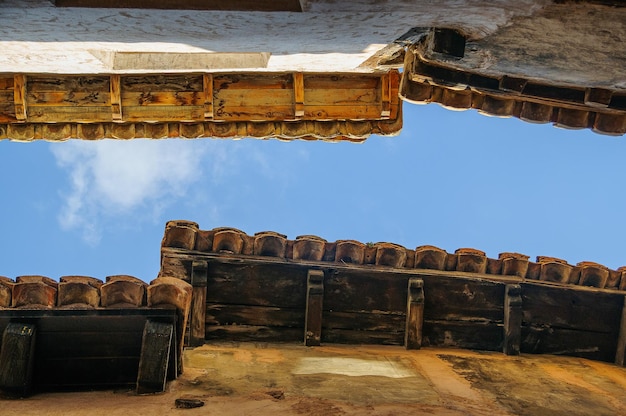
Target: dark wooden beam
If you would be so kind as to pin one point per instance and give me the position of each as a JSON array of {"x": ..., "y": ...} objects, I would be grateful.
[
  {"x": 17, "y": 358},
  {"x": 414, "y": 314},
  {"x": 197, "y": 323},
  {"x": 314, "y": 304},
  {"x": 512, "y": 319},
  {"x": 155, "y": 357},
  {"x": 620, "y": 355}
]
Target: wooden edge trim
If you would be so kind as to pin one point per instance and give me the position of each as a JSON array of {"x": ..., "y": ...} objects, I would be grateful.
[
  {"x": 314, "y": 307},
  {"x": 19, "y": 96},
  {"x": 207, "y": 81},
  {"x": 116, "y": 97},
  {"x": 298, "y": 93},
  {"x": 414, "y": 314}
]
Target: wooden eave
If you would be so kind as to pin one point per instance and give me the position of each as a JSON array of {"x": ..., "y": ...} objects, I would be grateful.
[
  {"x": 268, "y": 288},
  {"x": 327, "y": 106}
]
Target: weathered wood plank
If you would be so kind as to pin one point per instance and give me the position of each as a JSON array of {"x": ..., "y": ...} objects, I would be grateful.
[
  {"x": 43, "y": 114},
  {"x": 454, "y": 298},
  {"x": 155, "y": 356},
  {"x": 207, "y": 80},
  {"x": 314, "y": 308},
  {"x": 218, "y": 314},
  {"x": 163, "y": 113},
  {"x": 197, "y": 320},
  {"x": 86, "y": 84},
  {"x": 351, "y": 112},
  {"x": 252, "y": 82},
  {"x": 257, "y": 284},
  {"x": 620, "y": 354},
  {"x": 249, "y": 98},
  {"x": 364, "y": 321},
  {"x": 17, "y": 358},
  {"x": 351, "y": 336},
  {"x": 512, "y": 319},
  {"x": 298, "y": 92},
  {"x": 162, "y": 83},
  {"x": 254, "y": 113},
  {"x": 414, "y": 314},
  {"x": 344, "y": 96},
  {"x": 68, "y": 99},
  {"x": 340, "y": 81},
  {"x": 360, "y": 290},
  {"x": 6, "y": 83},
  {"x": 471, "y": 335},
  {"x": 163, "y": 98},
  {"x": 19, "y": 96},
  {"x": 570, "y": 308},
  {"x": 253, "y": 333},
  {"x": 542, "y": 339},
  {"x": 116, "y": 97}
]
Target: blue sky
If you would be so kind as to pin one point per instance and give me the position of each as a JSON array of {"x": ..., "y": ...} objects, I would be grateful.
[{"x": 451, "y": 179}]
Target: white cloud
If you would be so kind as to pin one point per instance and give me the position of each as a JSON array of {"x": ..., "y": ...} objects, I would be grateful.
[{"x": 111, "y": 177}]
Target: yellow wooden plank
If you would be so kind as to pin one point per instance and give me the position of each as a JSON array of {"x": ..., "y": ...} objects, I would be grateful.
[
  {"x": 298, "y": 91},
  {"x": 19, "y": 96},
  {"x": 59, "y": 114},
  {"x": 163, "y": 113},
  {"x": 242, "y": 98},
  {"x": 208, "y": 96},
  {"x": 254, "y": 113},
  {"x": 154, "y": 83},
  {"x": 162, "y": 98},
  {"x": 341, "y": 96},
  {"x": 340, "y": 112},
  {"x": 68, "y": 84},
  {"x": 253, "y": 81},
  {"x": 338, "y": 81},
  {"x": 6, "y": 84},
  {"x": 66, "y": 99},
  {"x": 116, "y": 100}
]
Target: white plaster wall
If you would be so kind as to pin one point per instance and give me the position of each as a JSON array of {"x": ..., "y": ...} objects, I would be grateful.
[{"x": 330, "y": 35}]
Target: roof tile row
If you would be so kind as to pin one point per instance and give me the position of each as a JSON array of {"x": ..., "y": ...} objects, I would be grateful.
[{"x": 187, "y": 235}]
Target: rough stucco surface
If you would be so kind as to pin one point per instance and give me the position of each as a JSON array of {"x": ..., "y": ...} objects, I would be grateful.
[
  {"x": 328, "y": 36},
  {"x": 271, "y": 379},
  {"x": 579, "y": 44}
]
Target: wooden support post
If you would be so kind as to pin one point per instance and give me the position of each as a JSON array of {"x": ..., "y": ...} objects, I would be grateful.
[
  {"x": 298, "y": 94},
  {"x": 207, "y": 82},
  {"x": 512, "y": 319},
  {"x": 197, "y": 323},
  {"x": 116, "y": 98},
  {"x": 156, "y": 348},
  {"x": 314, "y": 303},
  {"x": 19, "y": 96},
  {"x": 414, "y": 314},
  {"x": 16, "y": 358},
  {"x": 385, "y": 96},
  {"x": 620, "y": 355}
]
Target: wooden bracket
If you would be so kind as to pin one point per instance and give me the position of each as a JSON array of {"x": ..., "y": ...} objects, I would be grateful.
[
  {"x": 298, "y": 94},
  {"x": 414, "y": 314},
  {"x": 116, "y": 98},
  {"x": 314, "y": 303},
  {"x": 17, "y": 356},
  {"x": 512, "y": 319},
  {"x": 620, "y": 355},
  {"x": 199, "y": 275},
  {"x": 156, "y": 345},
  {"x": 385, "y": 81},
  {"x": 207, "y": 82},
  {"x": 19, "y": 96}
]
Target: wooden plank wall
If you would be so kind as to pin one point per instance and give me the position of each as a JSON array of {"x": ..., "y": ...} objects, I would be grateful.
[
  {"x": 266, "y": 301},
  {"x": 198, "y": 97}
]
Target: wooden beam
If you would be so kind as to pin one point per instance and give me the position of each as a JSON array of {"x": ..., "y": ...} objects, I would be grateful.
[
  {"x": 385, "y": 96},
  {"x": 198, "y": 303},
  {"x": 207, "y": 82},
  {"x": 19, "y": 96},
  {"x": 155, "y": 357},
  {"x": 414, "y": 314},
  {"x": 298, "y": 93},
  {"x": 314, "y": 304},
  {"x": 620, "y": 355},
  {"x": 116, "y": 98},
  {"x": 512, "y": 319},
  {"x": 16, "y": 358}
]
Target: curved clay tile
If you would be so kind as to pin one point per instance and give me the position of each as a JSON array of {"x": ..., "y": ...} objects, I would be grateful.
[
  {"x": 270, "y": 243},
  {"x": 593, "y": 274},
  {"x": 471, "y": 260},
  {"x": 350, "y": 251},
  {"x": 123, "y": 291},
  {"x": 228, "y": 240},
  {"x": 514, "y": 264},
  {"x": 390, "y": 254},
  {"x": 6, "y": 291},
  {"x": 430, "y": 257},
  {"x": 180, "y": 234},
  {"x": 308, "y": 247},
  {"x": 554, "y": 269}
]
